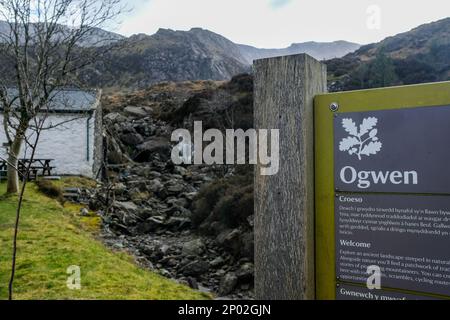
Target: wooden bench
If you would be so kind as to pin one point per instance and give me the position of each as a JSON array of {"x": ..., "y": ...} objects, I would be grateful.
[{"x": 38, "y": 167}]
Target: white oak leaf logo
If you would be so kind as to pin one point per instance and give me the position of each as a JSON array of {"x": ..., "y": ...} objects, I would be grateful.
[
  {"x": 363, "y": 141},
  {"x": 350, "y": 126}
]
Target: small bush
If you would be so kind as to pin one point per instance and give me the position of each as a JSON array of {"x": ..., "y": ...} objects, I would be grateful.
[
  {"x": 50, "y": 189},
  {"x": 207, "y": 199},
  {"x": 228, "y": 201},
  {"x": 234, "y": 209}
]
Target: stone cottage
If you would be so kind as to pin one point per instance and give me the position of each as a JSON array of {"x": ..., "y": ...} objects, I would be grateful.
[{"x": 73, "y": 137}]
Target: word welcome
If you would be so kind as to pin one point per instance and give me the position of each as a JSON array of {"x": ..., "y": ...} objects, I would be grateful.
[
  {"x": 229, "y": 149},
  {"x": 365, "y": 179}
]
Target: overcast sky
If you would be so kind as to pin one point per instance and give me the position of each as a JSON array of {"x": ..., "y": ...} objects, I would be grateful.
[{"x": 278, "y": 23}]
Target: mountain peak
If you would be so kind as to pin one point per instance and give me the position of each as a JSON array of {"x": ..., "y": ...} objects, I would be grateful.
[
  {"x": 198, "y": 29},
  {"x": 165, "y": 31}
]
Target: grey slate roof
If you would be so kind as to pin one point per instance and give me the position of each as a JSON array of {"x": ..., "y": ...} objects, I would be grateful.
[{"x": 67, "y": 100}]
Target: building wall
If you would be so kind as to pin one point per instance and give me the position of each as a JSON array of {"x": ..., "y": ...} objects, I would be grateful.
[
  {"x": 68, "y": 144},
  {"x": 99, "y": 152}
]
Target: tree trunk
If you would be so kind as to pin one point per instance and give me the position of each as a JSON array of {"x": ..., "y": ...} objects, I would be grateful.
[{"x": 13, "y": 165}]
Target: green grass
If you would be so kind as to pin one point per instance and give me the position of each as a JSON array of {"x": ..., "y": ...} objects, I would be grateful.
[
  {"x": 52, "y": 238},
  {"x": 75, "y": 182}
]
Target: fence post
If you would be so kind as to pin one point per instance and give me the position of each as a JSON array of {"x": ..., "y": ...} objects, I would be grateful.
[{"x": 284, "y": 203}]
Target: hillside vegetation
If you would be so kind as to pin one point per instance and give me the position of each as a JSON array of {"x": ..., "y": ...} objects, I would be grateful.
[
  {"x": 52, "y": 238},
  {"x": 418, "y": 56},
  {"x": 194, "y": 223}
]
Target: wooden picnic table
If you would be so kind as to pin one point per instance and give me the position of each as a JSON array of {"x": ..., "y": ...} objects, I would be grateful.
[{"x": 38, "y": 167}]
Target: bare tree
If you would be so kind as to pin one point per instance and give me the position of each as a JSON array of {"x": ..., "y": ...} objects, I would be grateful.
[
  {"x": 42, "y": 46},
  {"x": 32, "y": 141}
]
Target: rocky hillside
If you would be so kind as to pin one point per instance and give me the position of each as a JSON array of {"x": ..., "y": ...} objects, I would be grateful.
[
  {"x": 420, "y": 55},
  {"x": 197, "y": 54},
  {"x": 142, "y": 60},
  {"x": 190, "y": 223}
]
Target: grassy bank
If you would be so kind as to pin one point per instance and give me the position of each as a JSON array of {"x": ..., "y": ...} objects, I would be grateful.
[{"x": 52, "y": 238}]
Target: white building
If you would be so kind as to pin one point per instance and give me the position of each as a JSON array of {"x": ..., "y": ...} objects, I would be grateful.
[{"x": 73, "y": 138}]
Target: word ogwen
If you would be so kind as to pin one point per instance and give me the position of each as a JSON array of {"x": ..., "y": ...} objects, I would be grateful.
[
  {"x": 235, "y": 151},
  {"x": 364, "y": 179}
]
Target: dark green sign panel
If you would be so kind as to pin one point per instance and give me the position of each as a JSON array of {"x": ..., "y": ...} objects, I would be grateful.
[{"x": 383, "y": 191}]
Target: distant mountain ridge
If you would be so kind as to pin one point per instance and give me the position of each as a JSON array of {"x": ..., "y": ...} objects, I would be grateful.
[
  {"x": 197, "y": 54},
  {"x": 318, "y": 50},
  {"x": 168, "y": 55},
  {"x": 420, "y": 55}
]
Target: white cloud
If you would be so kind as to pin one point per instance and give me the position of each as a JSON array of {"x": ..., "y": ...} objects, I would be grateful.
[{"x": 274, "y": 23}]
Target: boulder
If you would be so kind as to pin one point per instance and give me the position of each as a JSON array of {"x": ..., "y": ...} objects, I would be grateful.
[
  {"x": 144, "y": 171},
  {"x": 131, "y": 139},
  {"x": 114, "y": 117},
  {"x": 195, "y": 268},
  {"x": 228, "y": 283},
  {"x": 164, "y": 249},
  {"x": 217, "y": 262},
  {"x": 147, "y": 109},
  {"x": 178, "y": 202},
  {"x": 115, "y": 154},
  {"x": 136, "y": 112},
  {"x": 157, "y": 253},
  {"x": 231, "y": 240},
  {"x": 190, "y": 196},
  {"x": 120, "y": 228},
  {"x": 146, "y": 213},
  {"x": 246, "y": 272},
  {"x": 156, "y": 185},
  {"x": 126, "y": 127},
  {"x": 127, "y": 206},
  {"x": 165, "y": 273},
  {"x": 138, "y": 196},
  {"x": 175, "y": 189},
  {"x": 178, "y": 223},
  {"x": 154, "y": 146},
  {"x": 151, "y": 224},
  {"x": 194, "y": 247},
  {"x": 180, "y": 170}
]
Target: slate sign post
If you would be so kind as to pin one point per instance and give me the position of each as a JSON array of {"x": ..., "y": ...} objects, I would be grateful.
[{"x": 383, "y": 192}]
